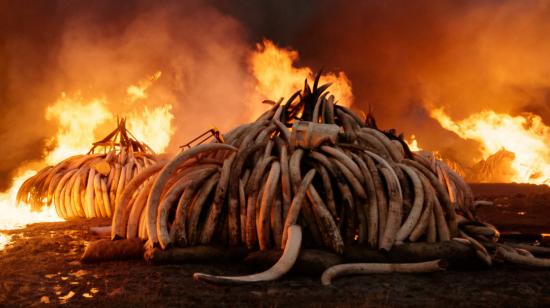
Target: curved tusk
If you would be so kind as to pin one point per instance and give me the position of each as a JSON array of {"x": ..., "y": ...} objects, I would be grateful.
[
  {"x": 523, "y": 260},
  {"x": 285, "y": 263},
  {"x": 380, "y": 268}
]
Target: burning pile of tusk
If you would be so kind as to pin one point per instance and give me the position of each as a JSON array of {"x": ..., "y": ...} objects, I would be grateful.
[
  {"x": 312, "y": 163},
  {"x": 88, "y": 185}
]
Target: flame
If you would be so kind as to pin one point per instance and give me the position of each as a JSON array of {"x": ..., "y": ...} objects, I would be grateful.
[
  {"x": 277, "y": 76},
  {"x": 413, "y": 144},
  {"x": 525, "y": 136},
  {"x": 80, "y": 123},
  {"x": 139, "y": 91},
  {"x": 14, "y": 217},
  {"x": 77, "y": 121},
  {"x": 154, "y": 125}
]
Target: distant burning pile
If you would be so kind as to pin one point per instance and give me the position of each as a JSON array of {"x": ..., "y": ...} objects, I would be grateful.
[
  {"x": 79, "y": 120},
  {"x": 515, "y": 148},
  {"x": 88, "y": 185}
]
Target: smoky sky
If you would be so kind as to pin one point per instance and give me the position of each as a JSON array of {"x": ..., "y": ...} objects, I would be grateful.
[
  {"x": 407, "y": 57},
  {"x": 98, "y": 48},
  {"x": 402, "y": 57}
]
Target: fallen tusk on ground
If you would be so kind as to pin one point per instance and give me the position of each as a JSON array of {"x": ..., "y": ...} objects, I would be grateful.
[
  {"x": 381, "y": 268},
  {"x": 285, "y": 263}
]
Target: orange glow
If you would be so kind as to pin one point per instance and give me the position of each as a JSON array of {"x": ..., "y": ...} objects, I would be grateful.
[
  {"x": 14, "y": 217},
  {"x": 154, "y": 126},
  {"x": 525, "y": 136},
  {"x": 413, "y": 144},
  {"x": 277, "y": 76},
  {"x": 80, "y": 122},
  {"x": 75, "y": 131},
  {"x": 139, "y": 91}
]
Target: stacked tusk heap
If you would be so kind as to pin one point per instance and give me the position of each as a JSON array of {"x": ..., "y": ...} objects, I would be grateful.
[
  {"x": 87, "y": 186},
  {"x": 307, "y": 174}
]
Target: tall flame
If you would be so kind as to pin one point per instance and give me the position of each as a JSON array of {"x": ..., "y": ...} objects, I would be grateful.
[
  {"x": 413, "y": 144},
  {"x": 277, "y": 76},
  {"x": 79, "y": 125},
  {"x": 525, "y": 136},
  {"x": 153, "y": 125},
  {"x": 77, "y": 121}
]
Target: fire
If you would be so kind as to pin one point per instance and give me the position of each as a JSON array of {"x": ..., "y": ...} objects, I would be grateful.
[
  {"x": 79, "y": 122},
  {"x": 525, "y": 136},
  {"x": 276, "y": 74},
  {"x": 14, "y": 217},
  {"x": 154, "y": 126},
  {"x": 139, "y": 91},
  {"x": 413, "y": 144}
]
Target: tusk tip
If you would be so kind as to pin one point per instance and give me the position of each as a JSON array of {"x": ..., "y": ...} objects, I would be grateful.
[
  {"x": 208, "y": 278},
  {"x": 199, "y": 276}
]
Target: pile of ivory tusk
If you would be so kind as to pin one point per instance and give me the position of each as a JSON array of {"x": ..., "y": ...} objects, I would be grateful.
[
  {"x": 86, "y": 186},
  {"x": 307, "y": 173}
]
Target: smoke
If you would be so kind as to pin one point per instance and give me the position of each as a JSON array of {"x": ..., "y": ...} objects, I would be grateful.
[
  {"x": 406, "y": 57},
  {"x": 99, "y": 48},
  {"x": 403, "y": 58}
]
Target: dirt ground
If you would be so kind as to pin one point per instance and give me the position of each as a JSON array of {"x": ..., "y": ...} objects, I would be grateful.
[{"x": 42, "y": 266}]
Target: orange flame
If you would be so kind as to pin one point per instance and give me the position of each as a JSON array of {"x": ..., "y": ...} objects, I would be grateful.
[
  {"x": 77, "y": 121},
  {"x": 14, "y": 217},
  {"x": 525, "y": 136},
  {"x": 413, "y": 144},
  {"x": 154, "y": 126},
  {"x": 277, "y": 76},
  {"x": 139, "y": 91}
]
